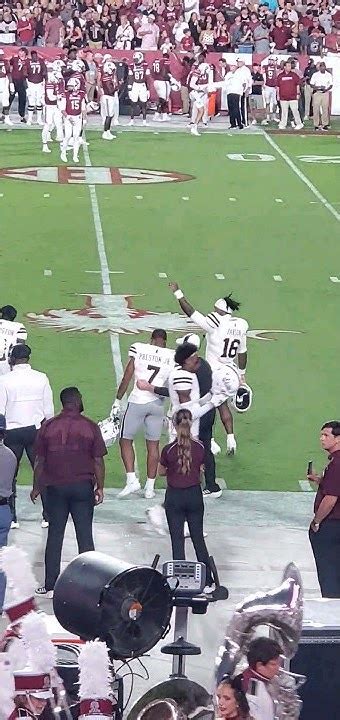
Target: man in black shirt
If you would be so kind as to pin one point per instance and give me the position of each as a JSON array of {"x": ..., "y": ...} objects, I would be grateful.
[
  {"x": 256, "y": 99},
  {"x": 307, "y": 88}
]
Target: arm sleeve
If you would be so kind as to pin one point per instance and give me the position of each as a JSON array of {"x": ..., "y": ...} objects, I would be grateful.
[
  {"x": 22, "y": 334},
  {"x": 209, "y": 323},
  {"x": 48, "y": 401},
  {"x": 243, "y": 344},
  {"x": 182, "y": 381},
  {"x": 99, "y": 447},
  {"x": 133, "y": 351},
  {"x": 163, "y": 391}
]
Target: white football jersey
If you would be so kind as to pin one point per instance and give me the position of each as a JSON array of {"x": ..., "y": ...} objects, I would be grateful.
[
  {"x": 153, "y": 364},
  {"x": 10, "y": 334},
  {"x": 180, "y": 379},
  {"x": 226, "y": 336}
]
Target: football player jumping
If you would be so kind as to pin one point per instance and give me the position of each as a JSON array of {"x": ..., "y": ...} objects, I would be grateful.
[
  {"x": 73, "y": 107},
  {"x": 109, "y": 101},
  {"x": 6, "y": 86},
  {"x": 226, "y": 338},
  {"x": 138, "y": 86},
  {"x": 52, "y": 113}
]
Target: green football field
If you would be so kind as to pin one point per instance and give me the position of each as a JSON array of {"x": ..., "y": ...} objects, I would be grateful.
[{"x": 248, "y": 219}]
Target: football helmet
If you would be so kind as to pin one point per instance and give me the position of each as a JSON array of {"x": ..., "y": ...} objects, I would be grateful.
[
  {"x": 204, "y": 68},
  {"x": 138, "y": 57},
  {"x": 73, "y": 84},
  {"x": 243, "y": 399},
  {"x": 175, "y": 84},
  {"x": 78, "y": 66},
  {"x": 109, "y": 66},
  {"x": 109, "y": 428}
]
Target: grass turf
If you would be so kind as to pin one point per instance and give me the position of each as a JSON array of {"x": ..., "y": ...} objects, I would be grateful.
[{"x": 249, "y": 240}]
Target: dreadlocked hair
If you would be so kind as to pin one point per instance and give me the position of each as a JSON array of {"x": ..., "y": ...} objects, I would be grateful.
[
  {"x": 183, "y": 421},
  {"x": 232, "y": 304}
]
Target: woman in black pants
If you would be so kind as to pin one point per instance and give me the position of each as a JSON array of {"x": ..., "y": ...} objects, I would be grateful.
[{"x": 181, "y": 462}]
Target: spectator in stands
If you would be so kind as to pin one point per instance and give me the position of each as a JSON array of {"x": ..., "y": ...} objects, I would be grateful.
[
  {"x": 332, "y": 41},
  {"x": 95, "y": 32},
  {"x": 222, "y": 38},
  {"x": 195, "y": 28},
  {"x": 207, "y": 37},
  {"x": 54, "y": 30},
  {"x": 280, "y": 35},
  {"x": 178, "y": 29},
  {"x": 25, "y": 29},
  {"x": 289, "y": 11},
  {"x": 165, "y": 44},
  {"x": 40, "y": 18},
  {"x": 74, "y": 35},
  {"x": 125, "y": 34},
  {"x": 294, "y": 42},
  {"x": 91, "y": 76},
  {"x": 236, "y": 32},
  {"x": 262, "y": 38},
  {"x": 148, "y": 33},
  {"x": 8, "y": 27},
  {"x": 315, "y": 40},
  {"x": 111, "y": 28},
  {"x": 246, "y": 39}
]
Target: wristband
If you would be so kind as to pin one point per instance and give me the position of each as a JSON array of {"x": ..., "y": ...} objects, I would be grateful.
[{"x": 178, "y": 294}]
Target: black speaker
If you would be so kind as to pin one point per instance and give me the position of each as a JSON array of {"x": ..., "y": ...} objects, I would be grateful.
[
  {"x": 129, "y": 608},
  {"x": 318, "y": 658}
]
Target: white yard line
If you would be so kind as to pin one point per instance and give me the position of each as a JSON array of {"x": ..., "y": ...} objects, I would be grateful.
[
  {"x": 305, "y": 486},
  {"x": 302, "y": 177},
  {"x": 104, "y": 269}
]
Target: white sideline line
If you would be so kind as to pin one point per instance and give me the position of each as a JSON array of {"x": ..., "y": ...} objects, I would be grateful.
[
  {"x": 112, "y": 272},
  {"x": 305, "y": 486},
  {"x": 302, "y": 177},
  {"x": 104, "y": 269}
]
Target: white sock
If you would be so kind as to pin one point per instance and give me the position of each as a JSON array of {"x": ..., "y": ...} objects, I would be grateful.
[
  {"x": 130, "y": 478},
  {"x": 150, "y": 483}
]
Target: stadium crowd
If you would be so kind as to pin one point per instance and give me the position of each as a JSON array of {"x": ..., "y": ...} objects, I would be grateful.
[{"x": 278, "y": 26}]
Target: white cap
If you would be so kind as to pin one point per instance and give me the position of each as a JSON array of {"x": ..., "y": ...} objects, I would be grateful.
[
  {"x": 221, "y": 304},
  {"x": 192, "y": 339}
]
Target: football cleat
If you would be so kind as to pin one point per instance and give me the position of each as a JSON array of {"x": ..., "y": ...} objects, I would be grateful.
[{"x": 243, "y": 399}]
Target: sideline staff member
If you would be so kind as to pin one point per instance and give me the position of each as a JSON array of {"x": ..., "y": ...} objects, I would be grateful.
[
  {"x": 181, "y": 463},
  {"x": 324, "y": 531},
  {"x": 8, "y": 466},
  {"x": 69, "y": 463},
  {"x": 26, "y": 400}
]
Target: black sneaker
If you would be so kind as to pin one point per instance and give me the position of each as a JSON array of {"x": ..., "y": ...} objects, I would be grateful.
[
  {"x": 42, "y": 592},
  {"x": 23, "y": 120},
  {"x": 325, "y": 127},
  {"x": 212, "y": 493}
]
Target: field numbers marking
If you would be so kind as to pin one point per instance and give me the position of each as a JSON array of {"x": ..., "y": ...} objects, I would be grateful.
[
  {"x": 219, "y": 276},
  {"x": 277, "y": 278},
  {"x": 305, "y": 486},
  {"x": 104, "y": 268},
  {"x": 302, "y": 177},
  {"x": 334, "y": 279}
]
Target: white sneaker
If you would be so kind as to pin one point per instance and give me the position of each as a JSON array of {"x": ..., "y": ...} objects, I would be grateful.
[
  {"x": 8, "y": 120},
  {"x": 156, "y": 117},
  {"x": 253, "y": 122},
  {"x": 44, "y": 524},
  {"x": 107, "y": 135},
  {"x": 157, "y": 518},
  {"x": 194, "y": 131},
  {"x": 75, "y": 159},
  {"x": 215, "y": 447},
  {"x": 63, "y": 156},
  {"x": 130, "y": 489},
  {"x": 208, "y": 494},
  {"x": 15, "y": 525},
  {"x": 145, "y": 123},
  {"x": 149, "y": 492},
  {"x": 132, "y": 122},
  {"x": 29, "y": 121},
  {"x": 42, "y": 592},
  {"x": 265, "y": 122},
  {"x": 165, "y": 117},
  {"x": 299, "y": 127},
  {"x": 46, "y": 149}
]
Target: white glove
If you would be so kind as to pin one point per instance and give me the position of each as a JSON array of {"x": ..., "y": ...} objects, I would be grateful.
[
  {"x": 231, "y": 444},
  {"x": 116, "y": 407},
  {"x": 11, "y": 88}
]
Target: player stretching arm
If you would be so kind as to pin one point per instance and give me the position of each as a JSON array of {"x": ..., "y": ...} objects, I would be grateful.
[{"x": 226, "y": 344}]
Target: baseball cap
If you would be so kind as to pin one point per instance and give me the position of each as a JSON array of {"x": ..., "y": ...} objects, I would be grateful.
[
  {"x": 2, "y": 422},
  {"x": 20, "y": 352},
  {"x": 192, "y": 339}
]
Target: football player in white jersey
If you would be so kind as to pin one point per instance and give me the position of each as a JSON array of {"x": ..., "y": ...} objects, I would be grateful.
[
  {"x": 11, "y": 333},
  {"x": 226, "y": 339},
  {"x": 151, "y": 362}
]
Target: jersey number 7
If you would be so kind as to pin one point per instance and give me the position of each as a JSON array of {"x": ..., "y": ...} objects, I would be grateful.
[{"x": 155, "y": 371}]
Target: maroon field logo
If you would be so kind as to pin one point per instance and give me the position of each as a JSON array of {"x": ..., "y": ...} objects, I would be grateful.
[{"x": 70, "y": 175}]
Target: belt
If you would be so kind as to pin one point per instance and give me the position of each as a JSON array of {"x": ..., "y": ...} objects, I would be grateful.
[{"x": 4, "y": 501}]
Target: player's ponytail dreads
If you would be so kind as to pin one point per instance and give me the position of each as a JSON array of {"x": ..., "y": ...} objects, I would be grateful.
[{"x": 183, "y": 421}]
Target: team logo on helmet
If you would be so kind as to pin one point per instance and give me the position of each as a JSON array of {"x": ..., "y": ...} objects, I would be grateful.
[
  {"x": 138, "y": 57},
  {"x": 73, "y": 84},
  {"x": 243, "y": 399},
  {"x": 78, "y": 66}
]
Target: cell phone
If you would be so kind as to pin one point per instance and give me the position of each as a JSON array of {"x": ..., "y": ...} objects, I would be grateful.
[{"x": 310, "y": 467}]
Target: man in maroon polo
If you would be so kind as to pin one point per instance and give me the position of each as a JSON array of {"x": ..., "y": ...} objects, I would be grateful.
[
  {"x": 324, "y": 531},
  {"x": 70, "y": 465},
  {"x": 288, "y": 93}
]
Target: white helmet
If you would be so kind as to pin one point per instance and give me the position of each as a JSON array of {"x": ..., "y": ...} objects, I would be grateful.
[
  {"x": 109, "y": 66},
  {"x": 73, "y": 83},
  {"x": 175, "y": 84},
  {"x": 58, "y": 64},
  {"x": 52, "y": 75},
  {"x": 138, "y": 57},
  {"x": 106, "y": 57},
  {"x": 109, "y": 428},
  {"x": 78, "y": 66},
  {"x": 204, "y": 68}
]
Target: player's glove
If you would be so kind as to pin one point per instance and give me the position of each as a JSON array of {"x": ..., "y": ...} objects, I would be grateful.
[
  {"x": 231, "y": 444},
  {"x": 116, "y": 407}
]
